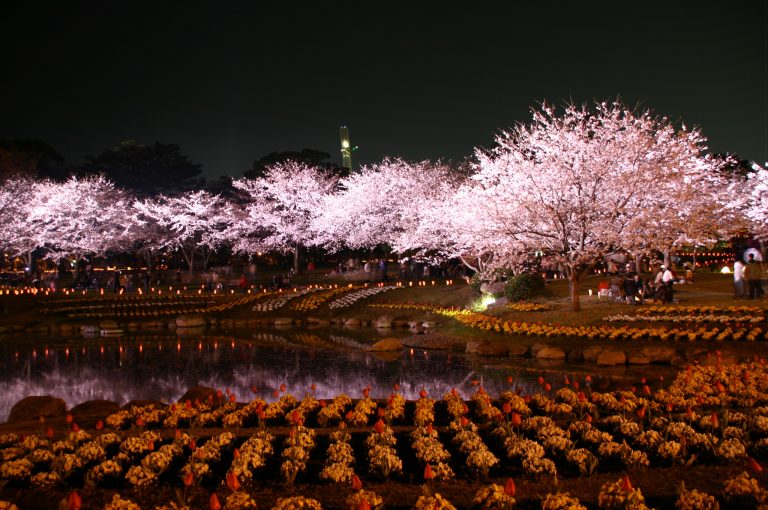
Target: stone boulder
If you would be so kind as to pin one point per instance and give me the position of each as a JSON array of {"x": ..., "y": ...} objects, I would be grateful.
[
  {"x": 535, "y": 348},
  {"x": 550, "y": 353},
  {"x": 32, "y": 408},
  {"x": 518, "y": 350},
  {"x": 428, "y": 324},
  {"x": 88, "y": 413},
  {"x": 190, "y": 321},
  {"x": 638, "y": 358},
  {"x": 493, "y": 349},
  {"x": 386, "y": 344},
  {"x": 658, "y": 353},
  {"x": 611, "y": 357},
  {"x": 283, "y": 321},
  {"x": 383, "y": 322},
  {"x": 591, "y": 353}
]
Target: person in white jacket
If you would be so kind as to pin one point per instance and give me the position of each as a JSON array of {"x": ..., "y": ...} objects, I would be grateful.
[{"x": 738, "y": 279}]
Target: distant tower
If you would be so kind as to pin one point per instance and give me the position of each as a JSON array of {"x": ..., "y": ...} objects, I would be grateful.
[{"x": 346, "y": 148}]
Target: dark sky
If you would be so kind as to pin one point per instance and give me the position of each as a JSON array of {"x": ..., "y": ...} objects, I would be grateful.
[{"x": 231, "y": 81}]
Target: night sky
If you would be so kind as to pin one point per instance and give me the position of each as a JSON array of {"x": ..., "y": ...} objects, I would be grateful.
[{"x": 231, "y": 81}]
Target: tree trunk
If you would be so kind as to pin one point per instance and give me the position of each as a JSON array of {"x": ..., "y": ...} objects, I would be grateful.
[
  {"x": 147, "y": 254},
  {"x": 666, "y": 258},
  {"x": 297, "y": 259},
  {"x": 573, "y": 286}
]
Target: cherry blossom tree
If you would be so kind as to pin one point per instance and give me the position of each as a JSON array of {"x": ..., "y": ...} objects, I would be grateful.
[
  {"x": 383, "y": 204},
  {"x": 281, "y": 209},
  {"x": 193, "y": 223},
  {"x": 756, "y": 209},
  {"x": 577, "y": 184},
  {"x": 81, "y": 216},
  {"x": 18, "y": 229}
]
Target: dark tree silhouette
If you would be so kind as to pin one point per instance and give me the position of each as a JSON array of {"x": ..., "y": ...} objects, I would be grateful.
[
  {"x": 312, "y": 157},
  {"x": 147, "y": 169},
  {"x": 30, "y": 158}
]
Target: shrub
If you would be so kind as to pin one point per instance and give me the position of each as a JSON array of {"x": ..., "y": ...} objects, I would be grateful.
[
  {"x": 476, "y": 281},
  {"x": 525, "y": 286}
]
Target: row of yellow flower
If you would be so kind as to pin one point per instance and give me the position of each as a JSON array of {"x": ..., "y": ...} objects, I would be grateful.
[
  {"x": 528, "y": 307},
  {"x": 495, "y": 324}
]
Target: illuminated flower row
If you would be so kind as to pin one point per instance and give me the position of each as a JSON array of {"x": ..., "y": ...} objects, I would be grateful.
[
  {"x": 353, "y": 297},
  {"x": 363, "y": 411},
  {"x": 431, "y": 452},
  {"x": 495, "y": 324},
  {"x": 382, "y": 456},
  {"x": 296, "y": 452},
  {"x": 696, "y": 319},
  {"x": 333, "y": 411},
  {"x": 339, "y": 458},
  {"x": 317, "y": 299},
  {"x": 528, "y": 307},
  {"x": 252, "y": 455},
  {"x": 283, "y": 299}
]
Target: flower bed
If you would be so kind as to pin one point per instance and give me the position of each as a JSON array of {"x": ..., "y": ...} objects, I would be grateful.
[
  {"x": 715, "y": 416},
  {"x": 491, "y": 323}
]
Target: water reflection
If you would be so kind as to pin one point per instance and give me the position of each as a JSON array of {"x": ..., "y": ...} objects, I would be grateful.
[{"x": 163, "y": 366}]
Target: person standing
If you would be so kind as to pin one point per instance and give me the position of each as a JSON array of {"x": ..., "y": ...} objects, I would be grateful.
[
  {"x": 738, "y": 279},
  {"x": 753, "y": 274}
]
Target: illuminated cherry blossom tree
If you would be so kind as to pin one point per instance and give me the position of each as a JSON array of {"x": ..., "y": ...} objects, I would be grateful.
[
  {"x": 281, "y": 209},
  {"x": 193, "y": 223},
  {"x": 577, "y": 184},
  {"x": 81, "y": 216},
  {"x": 18, "y": 229},
  {"x": 757, "y": 208},
  {"x": 383, "y": 204}
]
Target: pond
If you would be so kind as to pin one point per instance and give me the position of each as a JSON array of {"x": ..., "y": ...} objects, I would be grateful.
[{"x": 163, "y": 366}]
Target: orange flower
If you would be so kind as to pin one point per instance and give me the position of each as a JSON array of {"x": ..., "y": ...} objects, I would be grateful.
[
  {"x": 74, "y": 502},
  {"x": 232, "y": 482},
  {"x": 423, "y": 393},
  {"x": 509, "y": 488},
  {"x": 99, "y": 425},
  {"x": 428, "y": 473}
]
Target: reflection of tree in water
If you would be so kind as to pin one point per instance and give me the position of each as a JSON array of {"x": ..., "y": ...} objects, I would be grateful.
[{"x": 163, "y": 367}]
